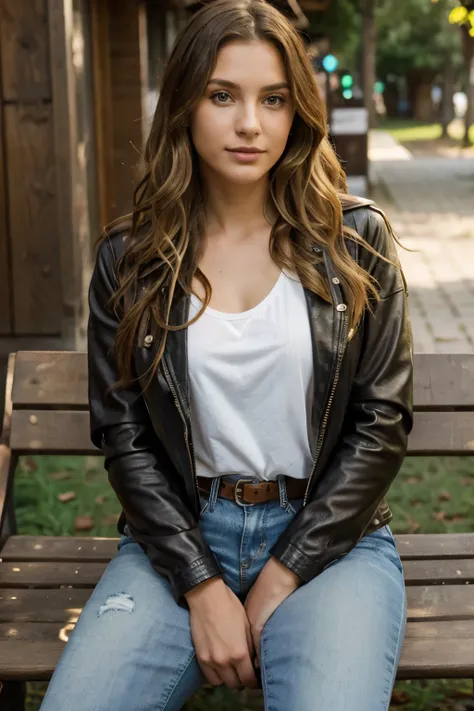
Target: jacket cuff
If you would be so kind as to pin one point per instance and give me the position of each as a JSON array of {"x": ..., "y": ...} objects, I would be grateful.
[
  {"x": 197, "y": 572},
  {"x": 296, "y": 561}
]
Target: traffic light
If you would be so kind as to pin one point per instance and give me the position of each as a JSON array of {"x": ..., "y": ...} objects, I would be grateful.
[
  {"x": 330, "y": 63},
  {"x": 347, "y": 81}
]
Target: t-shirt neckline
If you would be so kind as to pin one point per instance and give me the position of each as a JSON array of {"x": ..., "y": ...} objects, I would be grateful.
[{"x": 242, "y": 314}]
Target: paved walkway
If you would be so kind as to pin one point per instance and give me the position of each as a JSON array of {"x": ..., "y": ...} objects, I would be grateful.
[{"x": 430, "y": 203}]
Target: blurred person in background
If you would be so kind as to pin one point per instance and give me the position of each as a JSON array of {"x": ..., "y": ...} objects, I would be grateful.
[{"x": 250, "y": 365}]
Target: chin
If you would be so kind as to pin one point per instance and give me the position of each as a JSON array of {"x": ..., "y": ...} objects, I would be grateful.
[{"x": 243, "y": 175}]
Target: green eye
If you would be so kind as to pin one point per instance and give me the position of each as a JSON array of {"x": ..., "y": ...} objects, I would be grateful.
[
  {"x": 275, "y": 100},
  {"x": 220, "y": 97}
]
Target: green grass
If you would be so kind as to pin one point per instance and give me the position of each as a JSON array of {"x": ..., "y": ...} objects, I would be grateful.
[
  {"x": 429, "y": 495},
  {"x": 408, "y": 130}
]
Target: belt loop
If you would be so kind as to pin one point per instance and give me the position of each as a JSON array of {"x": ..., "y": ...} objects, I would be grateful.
[
  {"x": 215, "y": 486},
  {"x": 282, "y": 490}
]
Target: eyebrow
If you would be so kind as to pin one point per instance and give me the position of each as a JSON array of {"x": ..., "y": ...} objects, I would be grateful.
[{"x": 232, "y": 85}]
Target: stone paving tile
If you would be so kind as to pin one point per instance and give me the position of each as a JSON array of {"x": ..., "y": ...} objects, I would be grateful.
[{"x": 430, "y": 204}]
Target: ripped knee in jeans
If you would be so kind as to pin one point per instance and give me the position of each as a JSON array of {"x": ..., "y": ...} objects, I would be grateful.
[{"x": 118, "y": 602}]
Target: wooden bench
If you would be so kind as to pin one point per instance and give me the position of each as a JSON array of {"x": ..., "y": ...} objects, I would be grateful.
[{"x": 45, "y": 581}]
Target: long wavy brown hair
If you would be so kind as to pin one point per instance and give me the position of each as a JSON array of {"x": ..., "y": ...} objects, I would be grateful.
[{"x": 167, "y": 225}]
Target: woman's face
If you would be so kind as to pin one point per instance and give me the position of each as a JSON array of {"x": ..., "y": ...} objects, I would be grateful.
[{"x": 246, "y": 105}]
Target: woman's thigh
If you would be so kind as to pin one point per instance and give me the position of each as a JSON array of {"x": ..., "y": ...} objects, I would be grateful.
[
  {"x": 335, "y": 643},
  {"x": 131, "y": 649}
]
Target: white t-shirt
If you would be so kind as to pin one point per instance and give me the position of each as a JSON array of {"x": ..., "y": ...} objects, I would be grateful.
[{"x": 251, "y": 379}]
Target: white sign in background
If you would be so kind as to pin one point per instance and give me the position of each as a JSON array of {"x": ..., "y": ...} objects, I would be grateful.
[{"x": 349, "y": 121}]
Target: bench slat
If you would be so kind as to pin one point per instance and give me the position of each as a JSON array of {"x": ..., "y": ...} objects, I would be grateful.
[
  {"x": 31, "y": 651},
  {"x": 443, "y": 602},
  {"x": 425, "y": 546},
  {"x": 436, "y": 572},
  {"x": 51, "y": 432},
  {"x": 59, "y": 549},
  {"x": 20, "y": 574},
  {"x": 438, "y": 433},
  {"x": 42, "y": 605},
  {"x": 50, "y": 575},
  {"x": 50, "y": 379},
  {"x": 441, "y": 380},
  {"x": 31, "y": 631},
  {"x": 56, "y": 432},
  {"x": 440, "y": 602},
  {"x": 435, "y": 545},
  {"x": 421, "y": 659}
]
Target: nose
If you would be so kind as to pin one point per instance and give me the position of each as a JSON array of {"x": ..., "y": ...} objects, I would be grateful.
[{"x": 247, "y": 122}]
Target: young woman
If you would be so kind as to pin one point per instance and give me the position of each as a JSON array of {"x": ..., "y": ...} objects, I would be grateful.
[{"x": 250, "y": 366}]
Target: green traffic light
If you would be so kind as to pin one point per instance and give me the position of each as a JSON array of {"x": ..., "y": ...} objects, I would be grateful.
[{"x": 347, "y": 81}]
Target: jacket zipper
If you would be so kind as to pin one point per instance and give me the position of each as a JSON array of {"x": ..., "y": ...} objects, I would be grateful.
[
  {"x": 187, "y": 439},
  {"x": 341, "y": 347},
  {"x": 319, "y": 446}
]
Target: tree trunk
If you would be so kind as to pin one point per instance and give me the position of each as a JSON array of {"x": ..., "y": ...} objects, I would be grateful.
[
  {"x": 468, "y": 51},
  {"x": 369, "y": 57},
  {"x": 447, "y": 109}
]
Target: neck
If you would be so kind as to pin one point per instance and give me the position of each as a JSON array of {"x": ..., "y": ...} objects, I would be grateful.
[{"x": 236, "y": 209}]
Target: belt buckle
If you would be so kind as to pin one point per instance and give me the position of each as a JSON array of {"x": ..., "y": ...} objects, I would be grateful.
[{"x": 238, "y": 492}]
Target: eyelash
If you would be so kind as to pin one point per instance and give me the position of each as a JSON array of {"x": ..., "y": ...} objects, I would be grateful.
[{"x": 272, "y": 96}]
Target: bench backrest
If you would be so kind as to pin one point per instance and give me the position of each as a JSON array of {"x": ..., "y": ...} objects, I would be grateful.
[{"x": 47, "y": 399}]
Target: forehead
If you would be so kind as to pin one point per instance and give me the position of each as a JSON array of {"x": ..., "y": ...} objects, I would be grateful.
[{"x": 250, "y": 64}]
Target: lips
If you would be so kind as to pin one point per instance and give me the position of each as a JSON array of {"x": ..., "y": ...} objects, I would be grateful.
[{"x": 251, "y": 151}]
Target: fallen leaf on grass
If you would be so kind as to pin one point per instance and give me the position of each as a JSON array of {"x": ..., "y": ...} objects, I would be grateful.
[
  {"x": 29, "y": 465},
  {"x": 60, "y": 476},
  {"x": 399, "y": 697},
  {"x": 67, "y": 496},
  {"x": 444, "y": 496},
  {"x": 414, "y": 479},
  {"x": 467, "y": 481},
  {"x": 93, "y": 464},
  {"x": 83, "y": 523},
  {"x": 439, "y": 515},
  {"x": 455, "y": 518},
  {"x": 414, "y": 525},
  {"x": 111, "y": 519}
]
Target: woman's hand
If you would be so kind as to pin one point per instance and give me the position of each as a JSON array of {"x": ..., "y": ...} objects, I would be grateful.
[
  {"x": 221, "y": 635},
  {"x": 272, "y": 586}
]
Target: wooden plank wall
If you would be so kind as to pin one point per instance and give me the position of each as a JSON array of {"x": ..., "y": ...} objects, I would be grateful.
[
  {"x": 30, "y": 168},
  {"x": 5, "y": 272},
  {"x": 127, "y": 78}
]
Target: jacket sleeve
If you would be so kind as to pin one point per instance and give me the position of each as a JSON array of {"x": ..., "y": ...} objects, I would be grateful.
[
  {"x": 140, "y": 472},
  {"x": 378, "y": 420}
]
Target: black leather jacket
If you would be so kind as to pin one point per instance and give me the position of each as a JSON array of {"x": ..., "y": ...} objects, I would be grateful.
[{"x": 361, "y": 416}]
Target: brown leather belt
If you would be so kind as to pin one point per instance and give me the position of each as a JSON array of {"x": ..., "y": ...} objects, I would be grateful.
[{"x": 245, "y": 492}]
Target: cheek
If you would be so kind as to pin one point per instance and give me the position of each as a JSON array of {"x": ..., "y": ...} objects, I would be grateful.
[
  {"x": 278, "y": 130},
  {"x": 206, "y": 125}
]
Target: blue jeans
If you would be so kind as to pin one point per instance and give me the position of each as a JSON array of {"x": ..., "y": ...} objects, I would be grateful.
[{"x": 333, "y": 645}]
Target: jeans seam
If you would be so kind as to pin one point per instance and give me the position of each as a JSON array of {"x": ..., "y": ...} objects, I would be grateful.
[
  {"x": 397, "y": 649},
  {"x": 264, "y": 674},
  {"x": 242, "y": 546},
  {"x": 263, "y": 540},
  {"x": 186, "y": 667}
]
